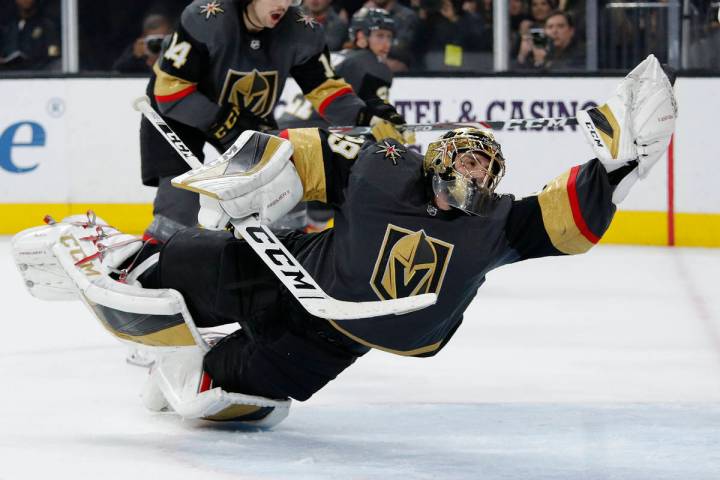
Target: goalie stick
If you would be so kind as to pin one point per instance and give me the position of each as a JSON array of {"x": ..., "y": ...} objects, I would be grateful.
[
  {"x": 515, "y": 124},
  {"x": 283, "y": 264},
  {"x": 522, "y": 124}
]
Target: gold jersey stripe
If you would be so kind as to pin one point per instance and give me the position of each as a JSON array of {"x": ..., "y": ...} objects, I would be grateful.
[
  {"x": 308, "y": 159},
  {"x": 558, "y": 219},
  {"x": 324, "y": 91},
  {"x": 167, "y": 84},
  {"x": 405, "y": 353}
]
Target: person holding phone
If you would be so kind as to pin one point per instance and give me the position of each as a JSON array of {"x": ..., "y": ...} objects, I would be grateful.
[
  {"x": 140, "y": 56},
  {"x": 553, "y": 47}
]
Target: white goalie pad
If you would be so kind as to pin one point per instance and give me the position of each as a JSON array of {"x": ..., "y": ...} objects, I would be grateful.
[
  {"x": 41, "y": 272},
  {"x": 67, "y": 261},
  {"x": 177, "y": 382},
  {"x": 253, "y": 177},
  {"x": 251, "y": 162}
]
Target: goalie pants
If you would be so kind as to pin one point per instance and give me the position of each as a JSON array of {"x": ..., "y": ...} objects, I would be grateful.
[{"x": 281, "y": 350}]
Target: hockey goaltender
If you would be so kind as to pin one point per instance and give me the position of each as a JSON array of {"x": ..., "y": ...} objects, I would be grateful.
[{"x": 405, "y": 225}]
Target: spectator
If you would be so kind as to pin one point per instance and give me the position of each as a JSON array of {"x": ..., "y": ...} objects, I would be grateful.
[
  {"x": 30, "y": 41},
  {"x": 540, "y": 10},
  {"x": 336, "y": 29},
  {"x": 447, "y": 30},
  {"x": 347, "y": 8},
  {"x": 518, "y": 10},
  {"x": 554, "y": 48},
  {"x": 141, "y": 55},
  {"x": 406, "y": 25}
]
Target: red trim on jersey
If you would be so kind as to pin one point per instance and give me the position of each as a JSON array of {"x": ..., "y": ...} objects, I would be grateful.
[
  {"x": 671, "y": 192},
  {"x": 177, "y": 95},
  {"x": 284, "y": 134},
  {"x": 326, "y": 103},
  {"x": 148, "y": 237},
  {"x": 205, "y": 383},
  {"x": 575, "y": 207}
]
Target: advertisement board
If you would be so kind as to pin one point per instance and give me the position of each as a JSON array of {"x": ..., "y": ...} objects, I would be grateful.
[{"x": 75, "y": 141}]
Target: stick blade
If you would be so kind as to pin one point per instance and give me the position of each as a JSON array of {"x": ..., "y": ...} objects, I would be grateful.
[{"x": 333, "y": 309}]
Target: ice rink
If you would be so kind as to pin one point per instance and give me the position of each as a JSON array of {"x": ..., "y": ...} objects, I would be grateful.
[{"x": 602, "y": 366}]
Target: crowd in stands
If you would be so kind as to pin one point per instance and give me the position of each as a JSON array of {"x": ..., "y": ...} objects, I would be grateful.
[{"x": 432, "y": 35}]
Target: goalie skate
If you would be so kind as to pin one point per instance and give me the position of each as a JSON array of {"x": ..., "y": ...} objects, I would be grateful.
[{"x": 178, "y": 383}]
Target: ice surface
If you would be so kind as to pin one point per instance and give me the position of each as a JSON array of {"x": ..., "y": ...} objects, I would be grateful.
[{"x": 603, "y": 366}]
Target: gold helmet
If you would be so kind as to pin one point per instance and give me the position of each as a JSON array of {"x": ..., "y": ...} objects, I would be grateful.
[{"x": 462, "y": 186}]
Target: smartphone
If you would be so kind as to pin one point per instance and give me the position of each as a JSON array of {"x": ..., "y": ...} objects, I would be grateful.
[{"x": 539, "y": 39}]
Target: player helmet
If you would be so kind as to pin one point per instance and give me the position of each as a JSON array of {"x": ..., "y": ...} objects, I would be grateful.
[
  {"x": 368, "y": 19},
  {"x": 465, "y": 181}
]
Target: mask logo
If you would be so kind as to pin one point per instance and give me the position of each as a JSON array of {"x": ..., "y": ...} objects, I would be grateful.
[
  {"x": 409, "y": 263},
  {"x": 254, "y": 91}
]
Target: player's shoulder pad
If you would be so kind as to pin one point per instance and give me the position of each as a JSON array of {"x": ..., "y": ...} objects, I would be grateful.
[
  {"x": 301, "y": 31},
  {"x": 204, "y": 19}
]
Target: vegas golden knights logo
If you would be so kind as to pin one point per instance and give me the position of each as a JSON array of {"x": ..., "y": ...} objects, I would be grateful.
[
  {"x": 409, "y": 263},
  {"x": 253, "y": 91}
]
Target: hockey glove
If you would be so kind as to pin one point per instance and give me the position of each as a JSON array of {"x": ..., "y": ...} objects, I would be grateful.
[
  {"x": 641, "y": 113},
  {"x": 635, "y": 124},
  {"x": 231, "y": 121},
  {"x": 255, "y": 177},
  {"x": 377, "y": 107}
]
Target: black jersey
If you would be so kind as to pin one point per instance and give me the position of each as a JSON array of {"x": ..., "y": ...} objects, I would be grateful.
[
  {"x": 213, "y": 60},
  {"x": 390, "y": 241},
  {"x": 369, "y": 77}
]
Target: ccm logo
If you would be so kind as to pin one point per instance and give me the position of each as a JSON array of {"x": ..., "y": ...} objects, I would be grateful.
[
  {"x": 277, "y": 256},
  {"x": 593, "y": 133}
]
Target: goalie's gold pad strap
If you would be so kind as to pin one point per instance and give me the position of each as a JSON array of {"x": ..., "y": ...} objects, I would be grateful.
[
  {"x": 240, "y": 413},
  {"x": 145, "y": 329},
  {"x": 562, "y": 217},
  {"x": 308, "y": 160}
]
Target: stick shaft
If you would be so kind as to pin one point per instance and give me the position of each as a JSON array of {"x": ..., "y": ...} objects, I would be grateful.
[{"x": 519, "y": 124}]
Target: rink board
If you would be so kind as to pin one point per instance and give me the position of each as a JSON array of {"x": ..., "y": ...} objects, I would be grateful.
[{"x": 66, "y": 144}]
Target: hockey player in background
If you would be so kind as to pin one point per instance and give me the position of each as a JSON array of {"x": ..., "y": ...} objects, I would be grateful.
[
  {"x": 220, "y": 74},
  {"x": 363, "y": 67},
  {"x": 406, "y": 224}
]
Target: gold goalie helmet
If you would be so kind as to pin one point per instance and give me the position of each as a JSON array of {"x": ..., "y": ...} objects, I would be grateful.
[{"x": 466, "y": 165}]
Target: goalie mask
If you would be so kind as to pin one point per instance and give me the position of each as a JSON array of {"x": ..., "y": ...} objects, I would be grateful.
[{"x": 466, "y": 165}]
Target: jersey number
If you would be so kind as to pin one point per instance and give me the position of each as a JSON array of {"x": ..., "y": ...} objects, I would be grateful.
[
  {"x": 329, "y": 72},
  {"x": 348, "y": 147},
  {"x": 177, "y": 52}
]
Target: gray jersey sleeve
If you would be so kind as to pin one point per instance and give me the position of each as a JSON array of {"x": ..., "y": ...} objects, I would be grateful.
[
  {"x": 184, "y": 62},
  {"x": 331, "y": 96}
]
